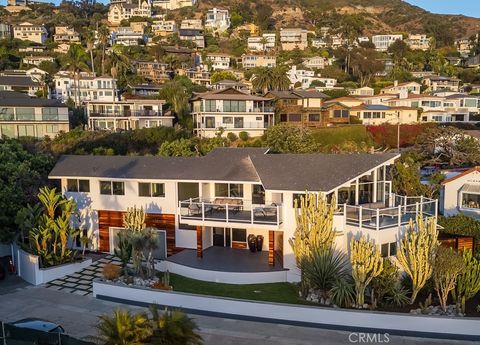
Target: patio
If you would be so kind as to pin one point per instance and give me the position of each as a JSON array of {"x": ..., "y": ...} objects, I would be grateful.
[{"x": 225, "y": 260}]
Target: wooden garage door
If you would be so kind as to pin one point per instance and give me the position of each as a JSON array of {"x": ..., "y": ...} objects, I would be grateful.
[{"x": 107, "y": 219}]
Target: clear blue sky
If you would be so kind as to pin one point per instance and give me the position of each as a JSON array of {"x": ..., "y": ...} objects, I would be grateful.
[{"x": 467, "y": 7}]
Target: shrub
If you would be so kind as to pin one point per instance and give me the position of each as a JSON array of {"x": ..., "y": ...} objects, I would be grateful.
[
  {"x": 448, "y": 265},
  {"x": 342, "y": 292},
  {"x": 232, "y": 136},
  {"x": 243, "y": 136},
  {"x": 461, "y": 224},
  {"x": 111, "y": 271},
  {"x": 386, "y": 135},
  {"x": 324, "y": 268}
]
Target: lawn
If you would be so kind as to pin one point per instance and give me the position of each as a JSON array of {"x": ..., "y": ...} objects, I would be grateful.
[
  {"x": 272, "y": 292},
  {"x": 335, "y": 136}
]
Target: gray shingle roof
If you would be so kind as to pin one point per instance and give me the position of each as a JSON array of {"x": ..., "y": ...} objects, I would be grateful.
[
  {"x": 13, "y": 98},
  {"x": 296, "y": 172},
  {"x": 17, "y": 80}
]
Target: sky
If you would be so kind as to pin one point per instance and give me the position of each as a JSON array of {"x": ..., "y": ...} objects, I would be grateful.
[{"x": 467, "y": 7}]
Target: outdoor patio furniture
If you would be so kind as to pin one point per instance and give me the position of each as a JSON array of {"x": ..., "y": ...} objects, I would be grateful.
[
  {"x": 265, "y": 211},
  {"x": 235, "y": 205},
  {"x": 195, "y": 209}
]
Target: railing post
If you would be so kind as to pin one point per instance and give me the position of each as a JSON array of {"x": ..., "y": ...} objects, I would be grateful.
[
  {"x": 226, "y": 212},
  {"x": 360, "y": 216},
  {"x": 378, "y": 219},
  {"x": 278, "y": 215},
  {"x": 203, "y": 211},
  {"x": 344, "y": 215},
  {"x": 251, "y": 215},
  {"x": 399, "y": 215},
  {"x": 405, "y": 198},
  {"x": 416, "y": 208}
]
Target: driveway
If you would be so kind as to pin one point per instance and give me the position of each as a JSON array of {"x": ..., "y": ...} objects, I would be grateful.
[{"x": 78, "y": 314}]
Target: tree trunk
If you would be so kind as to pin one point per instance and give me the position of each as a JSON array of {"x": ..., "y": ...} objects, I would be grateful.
[
  {"x": 103, "y": 60},
  {"x": 91, "y": 59}
]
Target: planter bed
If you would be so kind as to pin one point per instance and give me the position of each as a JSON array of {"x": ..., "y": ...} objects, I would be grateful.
[
  {"x": 28, "y": 268},
  {"x": 341, "y": 319}
]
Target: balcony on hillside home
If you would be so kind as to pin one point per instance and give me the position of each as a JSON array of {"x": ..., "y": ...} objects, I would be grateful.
[
  {"x": 232, "y": 211},
  {"x": 126, "y": 113},
  {"x": 395, "y": 211}
]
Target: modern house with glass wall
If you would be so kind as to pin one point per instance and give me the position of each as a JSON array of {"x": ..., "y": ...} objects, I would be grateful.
[
  {"x": 22, "y": 115},
  {"x": 230, "y": 111},
  {"x": 207, "y": 208},
  {"x": 132, "y": 113}
]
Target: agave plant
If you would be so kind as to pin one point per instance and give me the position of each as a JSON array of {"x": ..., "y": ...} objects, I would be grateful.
[{"x": 342, "y": 292}]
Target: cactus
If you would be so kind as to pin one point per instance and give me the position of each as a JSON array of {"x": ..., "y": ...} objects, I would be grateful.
[
  {"x": 166, "y": 279},
  {"x": 134, "y": 219},
  {"x": 314, "y": 229},
  {"x": 416, "y": 252},
  {"x": 468, "y": 283},
  {"x": 367, "y": 263}
]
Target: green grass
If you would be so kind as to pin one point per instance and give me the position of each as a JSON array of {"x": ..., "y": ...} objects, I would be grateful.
[
  {"x": 273, "y": 292},
  {"x": 332, "y": 136}
]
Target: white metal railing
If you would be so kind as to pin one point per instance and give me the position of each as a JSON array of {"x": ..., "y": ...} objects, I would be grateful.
[
  {"x": 230, "y": 210},
  {"x": 395, "y": 212},
  {"x": 244, "y": 125}
]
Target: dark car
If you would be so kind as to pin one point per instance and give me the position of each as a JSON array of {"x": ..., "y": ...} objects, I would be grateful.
[{"x": 39, "y": 325}]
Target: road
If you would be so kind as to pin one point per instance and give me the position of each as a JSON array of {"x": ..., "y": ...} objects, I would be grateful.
[{"x": 78, "y": 315}]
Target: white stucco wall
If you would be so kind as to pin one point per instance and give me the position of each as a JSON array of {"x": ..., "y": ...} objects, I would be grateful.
[{"x": 451, "y": 196}]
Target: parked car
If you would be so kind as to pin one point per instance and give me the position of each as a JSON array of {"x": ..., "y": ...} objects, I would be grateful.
[{"x": 39, "y": 325}]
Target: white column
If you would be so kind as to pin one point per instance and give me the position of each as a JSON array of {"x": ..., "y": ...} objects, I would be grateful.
[
  {"x": 357, "y": 191},
  {"x": 375, "y": 185}
]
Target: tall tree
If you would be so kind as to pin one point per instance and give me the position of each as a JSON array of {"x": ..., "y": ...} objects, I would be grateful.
[
  {"x": 90, "y": 43},
  {"x": 76, "y": 61},
  {"x": 103, "y": 37}
]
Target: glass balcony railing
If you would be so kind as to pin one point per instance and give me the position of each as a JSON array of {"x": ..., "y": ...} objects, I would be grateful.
[{"x": 230, "y": 211}]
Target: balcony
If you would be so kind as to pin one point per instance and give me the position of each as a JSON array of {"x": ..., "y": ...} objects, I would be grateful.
[
  {"x": 139, "y": 113},
  {"x": 397, "y": 211},
  {"x": 232, "y": 126},
  {"x": 232, "y": 211}
]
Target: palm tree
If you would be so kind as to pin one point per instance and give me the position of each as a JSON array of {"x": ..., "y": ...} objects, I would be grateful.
[
  {"x": 280, "y": 79},
  {"x": 173, "y": 328},
  {"x": 119, "y": 60},
  {"x": 123, "y": 328},
  {"x": 90, "y": 41},
  {"x": 175, "y": 95},
  {"x": 103, "y": 37},
  {"x": 76, "y": 59},
  {"x": 262, "y": 80}
]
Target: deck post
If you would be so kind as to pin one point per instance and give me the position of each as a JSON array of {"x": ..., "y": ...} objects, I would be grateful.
[
  {"x": 357, "y": 191},
  {"x": 199, "y": 242},
  {"x": 203, "y": 211},
  {"x": 375, "y": 185},
  {"x": 226, "y": 212},
  {"x": 271, "y": 248},
  {"x": 278, "y": 215},
  {"x": 378, "y": 219},
  {"x": 251, "y": 215}
]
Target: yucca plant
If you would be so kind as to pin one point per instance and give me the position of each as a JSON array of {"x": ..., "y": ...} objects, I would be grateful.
[
  {"x": 323, "y": 268},
  {"x": 342, "y": 292}
]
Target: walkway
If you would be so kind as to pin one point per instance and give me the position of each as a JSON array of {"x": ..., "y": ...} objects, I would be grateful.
[{"x": 80, "y": 283}]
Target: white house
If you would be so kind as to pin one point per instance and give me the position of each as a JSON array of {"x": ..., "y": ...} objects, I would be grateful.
[
  {"x": 206, "y": 208},
  {"x": 217, "y": 61},
  {"x": 419, "y": 42},
  {"x": 362, "y": 91},
  {"x": 382, "y": 42},
  {"x": 293, "y": 38},
  {"x": 125, "y": 10},
  {"x": 217, "y": 20},
  {"x": 86, "y": 88},
  {"x": 126, "y": 114},
  {"x": 22, "y": 115},
  {"x": 262, "y": 43},
  {"x": 173, "y": 4},
  {"x": 65, "y": 34},
  {"x": 317, "y": 62},
  {"x": 461, "y": 194},
  {"x": 305, "y": 78},
  {"x": 30, "y": 32},
  {"x": 402, "y": 88},
  {"x": 127, "y": 36},
  {"x": 252, "y": 61},
  {"x": 233, "y": 111}
]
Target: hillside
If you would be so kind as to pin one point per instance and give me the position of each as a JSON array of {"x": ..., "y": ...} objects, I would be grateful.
[{"x": 380, "y": 16}]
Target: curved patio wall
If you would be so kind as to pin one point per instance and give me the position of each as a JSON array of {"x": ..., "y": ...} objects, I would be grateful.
[
  {"x": 224, "y": 277},
  {"x": 341, "y": 319}
]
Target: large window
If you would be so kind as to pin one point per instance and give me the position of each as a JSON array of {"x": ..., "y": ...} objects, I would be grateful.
[
  {"x": 6, "y": 114},
  {"x": 50, "y": 114},
  {"x": 151, "y": 189},
  {"x": 25, "y": 114},
  {"x": 234, "y": 106},
  {"x": 314, "y": 117},
  {"x": 229, "y": 190},
  {"x": 210, "y": 105},
  {"x": 339, "y": 113},
  {"x": 112, "y": 188},
  {"x": 295, "y": 117},
  {"x": 26, "y": 131},
  {"x": 74, "y": 185},
  {"x": 471, "y": 200}
]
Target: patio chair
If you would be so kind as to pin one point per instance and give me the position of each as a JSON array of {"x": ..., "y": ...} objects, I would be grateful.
[
  {"x": 195, "y": 209},
  {"x": 265, "y": 211}
]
